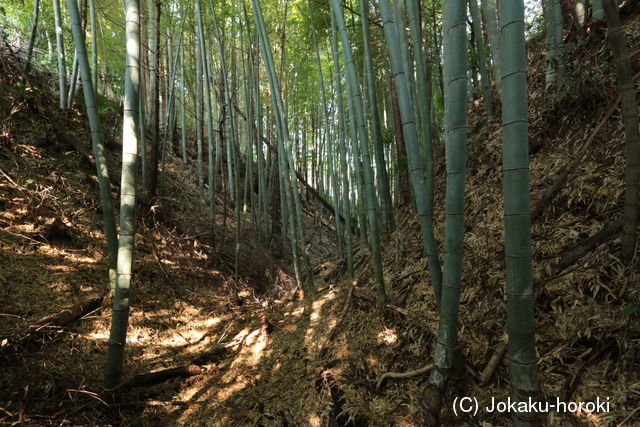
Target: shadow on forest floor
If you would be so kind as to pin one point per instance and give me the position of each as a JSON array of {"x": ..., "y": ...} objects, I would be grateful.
[{"x": 183, "y": 305}]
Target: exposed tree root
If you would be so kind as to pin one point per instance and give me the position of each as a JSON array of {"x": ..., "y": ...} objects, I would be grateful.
[{"x": 404, "y": 375}]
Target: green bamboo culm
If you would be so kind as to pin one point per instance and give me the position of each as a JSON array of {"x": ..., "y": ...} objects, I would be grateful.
[
  {"x": 517, "y": 218},
  {"x": 597, "y": 11},
  {"x": 355, "y": 93},
  {"x": 120, "y": 317},
  {"x": 141, "y": 117},
  {"x": 247, "y": 83},
  {"x": 482, "y": 59},
  {"x": 231, "y": 142},
  {"x": 455, "y": 60},
  {"x": 386, "y": 204},
  {"x": 73, "y": 79},
  {"x": 208, "y": 112},
  {"x": 423, "y": 98},
  {"x": 183, "y": 114},
  {"x": 167, "y": 144},
  {"x": 94, "y": 45},
  {"x": 558, "y": 20},
  {"x": 96, "y": 140},
  {"x": 359, "y": 202},
  {"x": 142, "y": 129},
  {"x": 291, "y": 208},
  {"x": 198, "y": 122},
  {"x": 32, "y": 39},
  {"x": 329, "y": 136},
  {"x": 490, "y": 14},
  {"x": 554, "y": 40},
  {"x": 263, "y": 193},
  {"x": 423, "y": 194},
  {"x": 627, "y": 90},
  {"x": 346, "y": 187},
  {"x": 62, "y": 67}
]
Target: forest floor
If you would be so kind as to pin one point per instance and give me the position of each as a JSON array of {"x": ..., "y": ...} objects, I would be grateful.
[{"x": 285, "y": 361}]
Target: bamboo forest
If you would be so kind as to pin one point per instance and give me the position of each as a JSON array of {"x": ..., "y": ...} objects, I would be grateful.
[{"x": 319, "y": 212}]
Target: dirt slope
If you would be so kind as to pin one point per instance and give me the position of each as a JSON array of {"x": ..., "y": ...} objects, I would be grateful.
[
  {"x": 52, "y": 256},
  {"x": 312, "y": 362}
]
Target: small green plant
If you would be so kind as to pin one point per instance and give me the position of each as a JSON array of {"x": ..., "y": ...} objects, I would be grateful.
[{"x": 631, "y": 309}]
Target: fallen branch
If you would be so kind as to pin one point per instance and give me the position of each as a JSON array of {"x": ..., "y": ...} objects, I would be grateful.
[
  {"x": 12, "y": 182},
  {"x": 160, "y": 263},
  {"x": 570, "y": 168},
  {"x": 55, "y": 321},
  {"x": 570, "y": 385},
  {"x": 157, "y": 403},
  {"x": 398, "y": 309},
  {"x": 495, "y": 360},
  {"x": 404, "y": 375},
  {"x": 413, "y": 273},
  {"x": 390, "y": 306},
  {"x": 579, "y": 157},
  {"x": 608, "y": 232},
  {"x": 153, "y": 378}
]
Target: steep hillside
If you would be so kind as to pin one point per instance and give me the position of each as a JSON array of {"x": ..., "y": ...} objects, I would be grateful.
[
  {"x": 274, "y": 360},
  {"x": 53, "y": 257}
]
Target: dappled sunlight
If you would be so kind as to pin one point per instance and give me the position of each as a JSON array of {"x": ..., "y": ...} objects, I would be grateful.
[
  {"x": 297, "y": 313},
  {"x": 315, "y": 420},
  {"x": 254, "y": 345},
  {"x": 388, "y": 336},
  {"x": 316, "y": 320},
  {"x": 99, "y": 336},
  {"x": 219, "y": 331}
]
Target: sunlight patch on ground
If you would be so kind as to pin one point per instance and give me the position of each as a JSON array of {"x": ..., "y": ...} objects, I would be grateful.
[
  {"x": 388, "y": 336},
  {"x": 372, "y": 361},
  {"x": 315, "y": 420},
  {"x": 295, "y": 313},
  {"x": 99, "y": 336},
  {"x": 252, "y": 351},
  {"x": 224, "y": 393},
  {"x": 80, "y": 258},
  {"x": 25, "y": 227},
  {"x": 310, "y": 339}
]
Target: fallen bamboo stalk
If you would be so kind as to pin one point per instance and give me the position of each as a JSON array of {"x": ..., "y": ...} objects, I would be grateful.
[
  {"x": 581, "y": 155},
  {"x": 606, "y": 233},
  {"x": 56, "y": 321},
  {"x": 495, "y": 360},
  {"x": 153, "y": 378}
]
